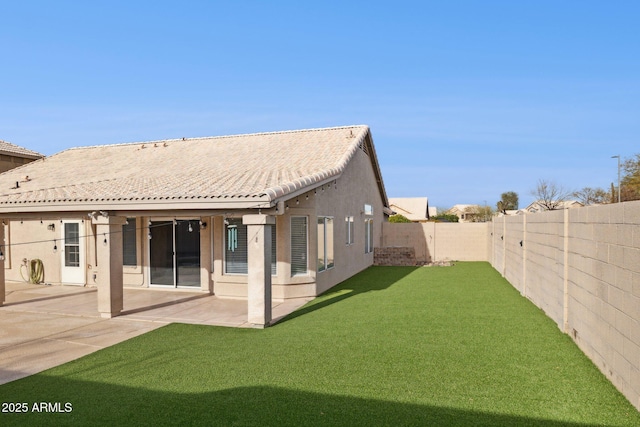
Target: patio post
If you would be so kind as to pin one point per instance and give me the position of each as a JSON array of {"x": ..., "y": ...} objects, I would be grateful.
[
  {"x": 3, "y": 250},
  {"x": 259, "y": 268},
  {"x": 109, "y": 262}
]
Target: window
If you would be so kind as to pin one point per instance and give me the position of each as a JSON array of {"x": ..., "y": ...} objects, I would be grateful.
[
  {"x": 299, "y": 243},
  {"x": 72, "y": 245},
  {"x": 368, "y": 235},
  {"x": 349, "y": 230},
  {"x": 325, "y": 243},
  {"x": 129, "y": 249},
  {"x": 368, "y": 210},
  {"x": 235, "y": 250}
]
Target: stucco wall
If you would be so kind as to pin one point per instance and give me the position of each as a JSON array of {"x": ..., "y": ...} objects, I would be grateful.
[
  {"x": 8, "y": 162},
  {"x": 36, "y": 239},
  {"x": 346, "y": 197},
  {"x": 355, "y": 188},
  {"x": 440, "y": 241},
  {"x": 582, "y": 267}
]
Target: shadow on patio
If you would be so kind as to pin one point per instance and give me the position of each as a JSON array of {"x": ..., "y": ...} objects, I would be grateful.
[{"x": 165, "y": 306}]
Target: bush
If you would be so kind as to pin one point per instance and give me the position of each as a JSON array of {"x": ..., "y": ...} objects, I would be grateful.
[
  {"x": 445, "y": 218},
  {"x": 398, "y": 219}
]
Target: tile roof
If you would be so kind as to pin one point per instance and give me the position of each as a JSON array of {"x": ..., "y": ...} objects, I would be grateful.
[
  {"x": 254, "y": 168},
  {"x": 16, "y": 150},
  {"x": 413, "y": 208}
]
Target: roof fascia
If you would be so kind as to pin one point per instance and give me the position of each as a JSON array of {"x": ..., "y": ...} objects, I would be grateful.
[
  {"x": 306, "y": 189},
  {"x": 376, "y": 169},
  {"x": 21, "y": 155},
  {"x": 151, "y": 206}
]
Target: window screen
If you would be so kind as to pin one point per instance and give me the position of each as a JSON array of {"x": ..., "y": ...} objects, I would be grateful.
[
  {"x": 129, "y": 249},
  {"x": 298, "y": 245},
  {"x": 235, "y": 248},
  {"x": 236, "y": 253}
]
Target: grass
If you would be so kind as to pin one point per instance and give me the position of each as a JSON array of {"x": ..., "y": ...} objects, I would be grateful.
[{"x": 391, "y": 346}]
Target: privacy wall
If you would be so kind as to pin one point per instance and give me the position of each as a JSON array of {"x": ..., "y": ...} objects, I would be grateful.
[
  {"x": 582, "y": 267},
  {"x": 435, "y": 242}
]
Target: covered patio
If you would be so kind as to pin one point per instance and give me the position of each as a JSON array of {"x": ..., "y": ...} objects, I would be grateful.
[
  {"x": 152, "y": 305},
  {"x": 45, "y": 326}
]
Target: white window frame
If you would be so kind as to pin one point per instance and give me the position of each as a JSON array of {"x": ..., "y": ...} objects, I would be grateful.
[
  {"x": 368, "y": 235},
  {"x": 350, "y": 229},
  {"x": 326, "y": 220}
]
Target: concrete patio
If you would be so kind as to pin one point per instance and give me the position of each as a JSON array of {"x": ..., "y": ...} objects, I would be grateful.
[{"x": 45, "y": 326}]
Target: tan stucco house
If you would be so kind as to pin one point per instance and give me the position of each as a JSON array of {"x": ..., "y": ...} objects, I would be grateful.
[
  {"x": 12, "y": 156},
  {"x": 465, "y": 213},
  {"x": 539, "y": 206},
  {"x": 415, "y": 209},
  {"x": 261, "y": 216}
]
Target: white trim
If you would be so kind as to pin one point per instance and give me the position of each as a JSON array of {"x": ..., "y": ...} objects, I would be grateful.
[{"x": 68, "y": 274}]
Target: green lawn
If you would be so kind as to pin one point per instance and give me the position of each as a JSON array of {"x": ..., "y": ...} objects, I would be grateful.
[{"x": 391, "y": 346}]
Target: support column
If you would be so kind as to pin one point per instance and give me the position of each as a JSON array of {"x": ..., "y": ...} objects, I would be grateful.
[
  {"x": 109, "y": 262},
  {"x": 2, "y": 258},
  {"x": 259, "y": 268}
]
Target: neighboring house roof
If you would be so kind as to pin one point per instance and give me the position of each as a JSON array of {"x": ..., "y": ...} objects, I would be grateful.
[
  {"x": 462, "y": 208},
  {"x": 537, "y": 206},
  {"x": 413, "y": 208},
  {"x": 238, "y": 171},
  {"x": 510, "y": 212},
  {"x": 10, "y": 149}
]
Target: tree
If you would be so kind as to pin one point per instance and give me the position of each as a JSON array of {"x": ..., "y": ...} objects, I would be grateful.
[
  {"x": 630, "y": 181},
  {"x": 508, "y": 201},
  {"x": 549, "y": 195},
  {"x": 481, "y": 213},
  {"x": 592, "y": 196},
  {"x": 399, "y": 219}
]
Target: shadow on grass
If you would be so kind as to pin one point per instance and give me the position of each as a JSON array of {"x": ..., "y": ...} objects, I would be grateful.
[
  {"x": 105, "y": 404},
  {"x": 371, "y": 279}
]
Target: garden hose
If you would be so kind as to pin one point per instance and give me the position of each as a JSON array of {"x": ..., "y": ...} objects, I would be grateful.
[{"x": 36, "y": 271}]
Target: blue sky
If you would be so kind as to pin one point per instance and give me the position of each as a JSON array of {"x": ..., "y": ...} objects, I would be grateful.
[{"x": 465, "y": 99}]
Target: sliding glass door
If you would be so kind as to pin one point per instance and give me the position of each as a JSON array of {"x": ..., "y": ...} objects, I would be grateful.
[{"x": 174, "y": 253}]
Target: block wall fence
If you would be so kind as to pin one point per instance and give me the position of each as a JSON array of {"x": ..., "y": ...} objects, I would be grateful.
[
  {"x": 435, "y": 242},
  {"x": 580, "y": 266}
]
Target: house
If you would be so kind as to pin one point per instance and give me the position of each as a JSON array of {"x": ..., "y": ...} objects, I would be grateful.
[
  {"x": 260, "y": 216},
  {"x": 12, "y": 156},
  {"x": 509, "y": 212},
  {"x": 539, "y": 206},
  {"x": 415, "y": 209},
  {"x": 465, "y": 213}
]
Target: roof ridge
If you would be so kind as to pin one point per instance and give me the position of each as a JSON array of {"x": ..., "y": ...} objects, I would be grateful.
[
  {"x": 157, "y": 141},
  {"x": 323, "y": 175}
]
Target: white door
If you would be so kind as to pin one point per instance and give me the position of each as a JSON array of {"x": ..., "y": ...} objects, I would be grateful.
[{"x": 72, "y": 253}]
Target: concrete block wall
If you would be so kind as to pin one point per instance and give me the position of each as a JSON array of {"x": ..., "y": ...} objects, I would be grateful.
[
  {"x": 604, "y": 291},
  {"x": 435, "y": 242},
  {"x": 544, "y": 275},
  {"x": 582, "y": 267},
  {"x": 461, "y": 241}
]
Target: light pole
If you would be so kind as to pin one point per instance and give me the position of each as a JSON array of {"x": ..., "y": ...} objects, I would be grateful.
[{"x": 618, "y": 157}]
